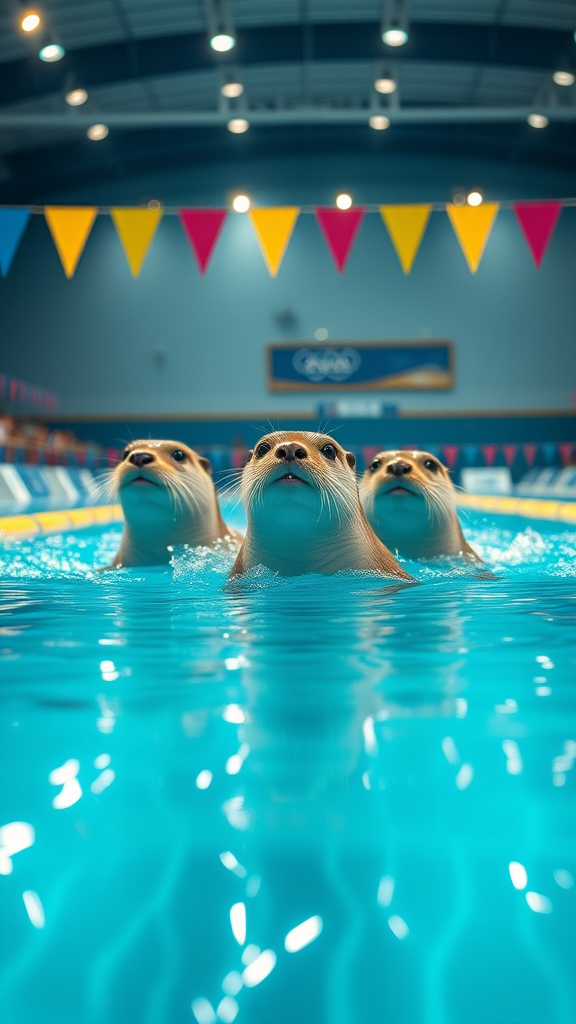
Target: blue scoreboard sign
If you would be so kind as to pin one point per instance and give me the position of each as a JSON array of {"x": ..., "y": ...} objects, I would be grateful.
[{"x": 357, "y": 366}]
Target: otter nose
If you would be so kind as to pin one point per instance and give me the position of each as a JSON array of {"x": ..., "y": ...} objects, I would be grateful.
[
  {"x": 290, "y": 452},
  {"x": 141, "y": 458},
  {"x": 399, "y": 468}
]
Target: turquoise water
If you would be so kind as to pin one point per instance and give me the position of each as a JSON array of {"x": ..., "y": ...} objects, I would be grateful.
[{"x": 368, "y": 757}]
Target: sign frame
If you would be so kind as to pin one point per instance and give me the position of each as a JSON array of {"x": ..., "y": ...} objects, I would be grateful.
[{"x": 380, "y": 384}]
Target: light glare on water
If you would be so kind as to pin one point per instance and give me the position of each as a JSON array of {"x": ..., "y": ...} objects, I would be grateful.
[{"x": 329, "y": 801}]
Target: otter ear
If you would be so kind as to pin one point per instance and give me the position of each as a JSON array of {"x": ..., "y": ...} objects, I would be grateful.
[
  {"x": 249, "y": 456},
  {"x": 350, "y": 459},
  {"x": 205, "y": 463}
]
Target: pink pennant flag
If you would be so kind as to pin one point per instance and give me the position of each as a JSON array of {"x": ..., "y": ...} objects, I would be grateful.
[
  {"x": 529, "y": 452},
  {"x": 203, "y": 227},
  {"x": 537, "y": 221},
  {"x": 489, "y": 453},
  {"x": 369, "y": 454},
  {"x": 451, "y": 452},
  {"x": 566, "y": 449},
  {"x": 339, "y": 228},
  {"x": 509, "y": 453}
]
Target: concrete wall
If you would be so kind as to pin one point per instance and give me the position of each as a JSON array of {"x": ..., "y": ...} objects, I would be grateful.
[{"x": 174, "y": 342}]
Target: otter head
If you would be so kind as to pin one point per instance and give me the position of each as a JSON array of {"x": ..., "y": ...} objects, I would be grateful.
[
  {"x": 163, "y": 482},
  {"x": 297, "y": 483},
  {"x": 405, "y": 491}
]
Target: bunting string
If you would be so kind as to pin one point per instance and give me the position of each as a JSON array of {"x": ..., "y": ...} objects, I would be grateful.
[{"x": 406, "y": 224}]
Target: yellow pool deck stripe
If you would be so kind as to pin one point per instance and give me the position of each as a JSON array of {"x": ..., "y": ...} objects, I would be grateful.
[
  {"x": 528, "y": 508},
  {"x": 42, "y": 523}
]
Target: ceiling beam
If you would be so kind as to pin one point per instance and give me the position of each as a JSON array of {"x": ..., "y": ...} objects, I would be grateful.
[
  {"x": 75, "y": 122},
  {"x": 28, "y": 77}
]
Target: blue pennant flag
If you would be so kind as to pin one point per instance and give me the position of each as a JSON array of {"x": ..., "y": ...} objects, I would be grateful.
[
  {"x": 471, "y": 454},
  {"x": 12, "y": 225},
  {"x": 550, "y": 452}
]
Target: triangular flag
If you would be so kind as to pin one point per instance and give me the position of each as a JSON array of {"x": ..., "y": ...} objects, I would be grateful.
[
  {"x": 471, "y": 453},
  {"x": 70, "y": 227},
  {"x": 565, "y": 449},
  {"x": 136, "y": 229},
  {"x": 12, "y": 224},
  {"x": 537, "y": 221},
  {"x": 203, "y": 227},
  {"x": 406, "y": 226},
  {"x": 509, "y": 451},
  {"x": 489, "y": 453},
  {"x": 549, "y": 450},
  {"x": 451, "y": 452},
  {"x": 339, "y": 228},
  {"x": 273, "y": 227},
  {"x": 529, "y": 453},
  {"x": 472, "y": 226}
]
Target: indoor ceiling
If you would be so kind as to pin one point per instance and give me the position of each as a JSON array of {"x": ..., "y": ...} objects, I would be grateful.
[{"x": 466, "y": 79}]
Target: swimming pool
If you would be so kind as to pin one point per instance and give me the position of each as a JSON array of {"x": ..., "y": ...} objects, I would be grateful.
[{"x": 198, "y": 770}]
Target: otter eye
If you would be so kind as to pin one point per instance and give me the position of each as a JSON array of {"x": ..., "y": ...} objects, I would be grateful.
[
  {"x": 178, "y": 456},
  {"x": 263, "y": 448},
  {"x": 329, "y": 451},
  {"x": 431, "y": 465},
  {"x": 125, "y": 455},
  {"x": 375, "y": 465}
]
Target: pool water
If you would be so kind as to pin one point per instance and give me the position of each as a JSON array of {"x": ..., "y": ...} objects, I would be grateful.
[{"x": 199, "y": 769}]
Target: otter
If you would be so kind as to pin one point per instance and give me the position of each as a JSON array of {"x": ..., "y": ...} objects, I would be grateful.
[{"x": 304, "y": 514}]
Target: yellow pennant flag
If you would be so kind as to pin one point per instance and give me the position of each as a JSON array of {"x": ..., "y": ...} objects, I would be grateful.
[
  {"x": 70, "y": 227},
  {"x": 136, "y": 229},
  {"x": 406, "y": 226},
  {"x": 273, "y": 227},
  {"x": 472, "y": 226}
]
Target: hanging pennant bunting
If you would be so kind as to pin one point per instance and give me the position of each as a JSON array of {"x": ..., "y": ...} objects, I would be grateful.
[
  {"x": 339, "y": 228},
  {"x": 509, "y": 451},
  {"x": 136, "y": 229},
  {"x": 12, "y": 225},
  {"x": 566, "y": 449},
  {"x": 273, "y": 227},
  {"x": 451, "y": 452},
  {"x": 70, "y": 227},
  {"x": 537, "y": 221},
  {"x": 472, "y": 226},
  {"x": 529, "y": 453},
  {"x": 489, "y": 452},
  {"x": 203, "y": 227},
  {"x": 406, "y": 226}
]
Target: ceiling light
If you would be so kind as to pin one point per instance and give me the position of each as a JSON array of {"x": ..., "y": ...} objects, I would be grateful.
[
  {"x": 564, "y": 78},
  {"x": 458, "y": 199},
  {"x": 343, "y": 201},
  {"x": 241, "y": 204},
  {"x": 238, "y": 125},
  {"x": 154, "y": 204},
  {"x": 51, "y": 53},
  {"x": 385, "y": 85},
  {"x": 379, "y": 122},
  {"x": 232, "y": 90},
  {"x": 30, "y": 21},
  {"x": 474, "y": 198},
  {"x": 222, "y": 42},
  {"x": 97, "y": 132},
  {"x": 76, "y": 97},
  {"x": 395, "y": 36},
  {"x": 537, "y": 120}
]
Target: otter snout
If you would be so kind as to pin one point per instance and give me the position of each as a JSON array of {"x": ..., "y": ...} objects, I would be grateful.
[
  {"x": 289, "y": 452},
  {"x": 399, "y": 468},
  {"x": 141, "y": 459}
]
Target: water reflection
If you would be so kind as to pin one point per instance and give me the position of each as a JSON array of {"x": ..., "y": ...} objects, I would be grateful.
[{"x": 291, "y": 803}]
